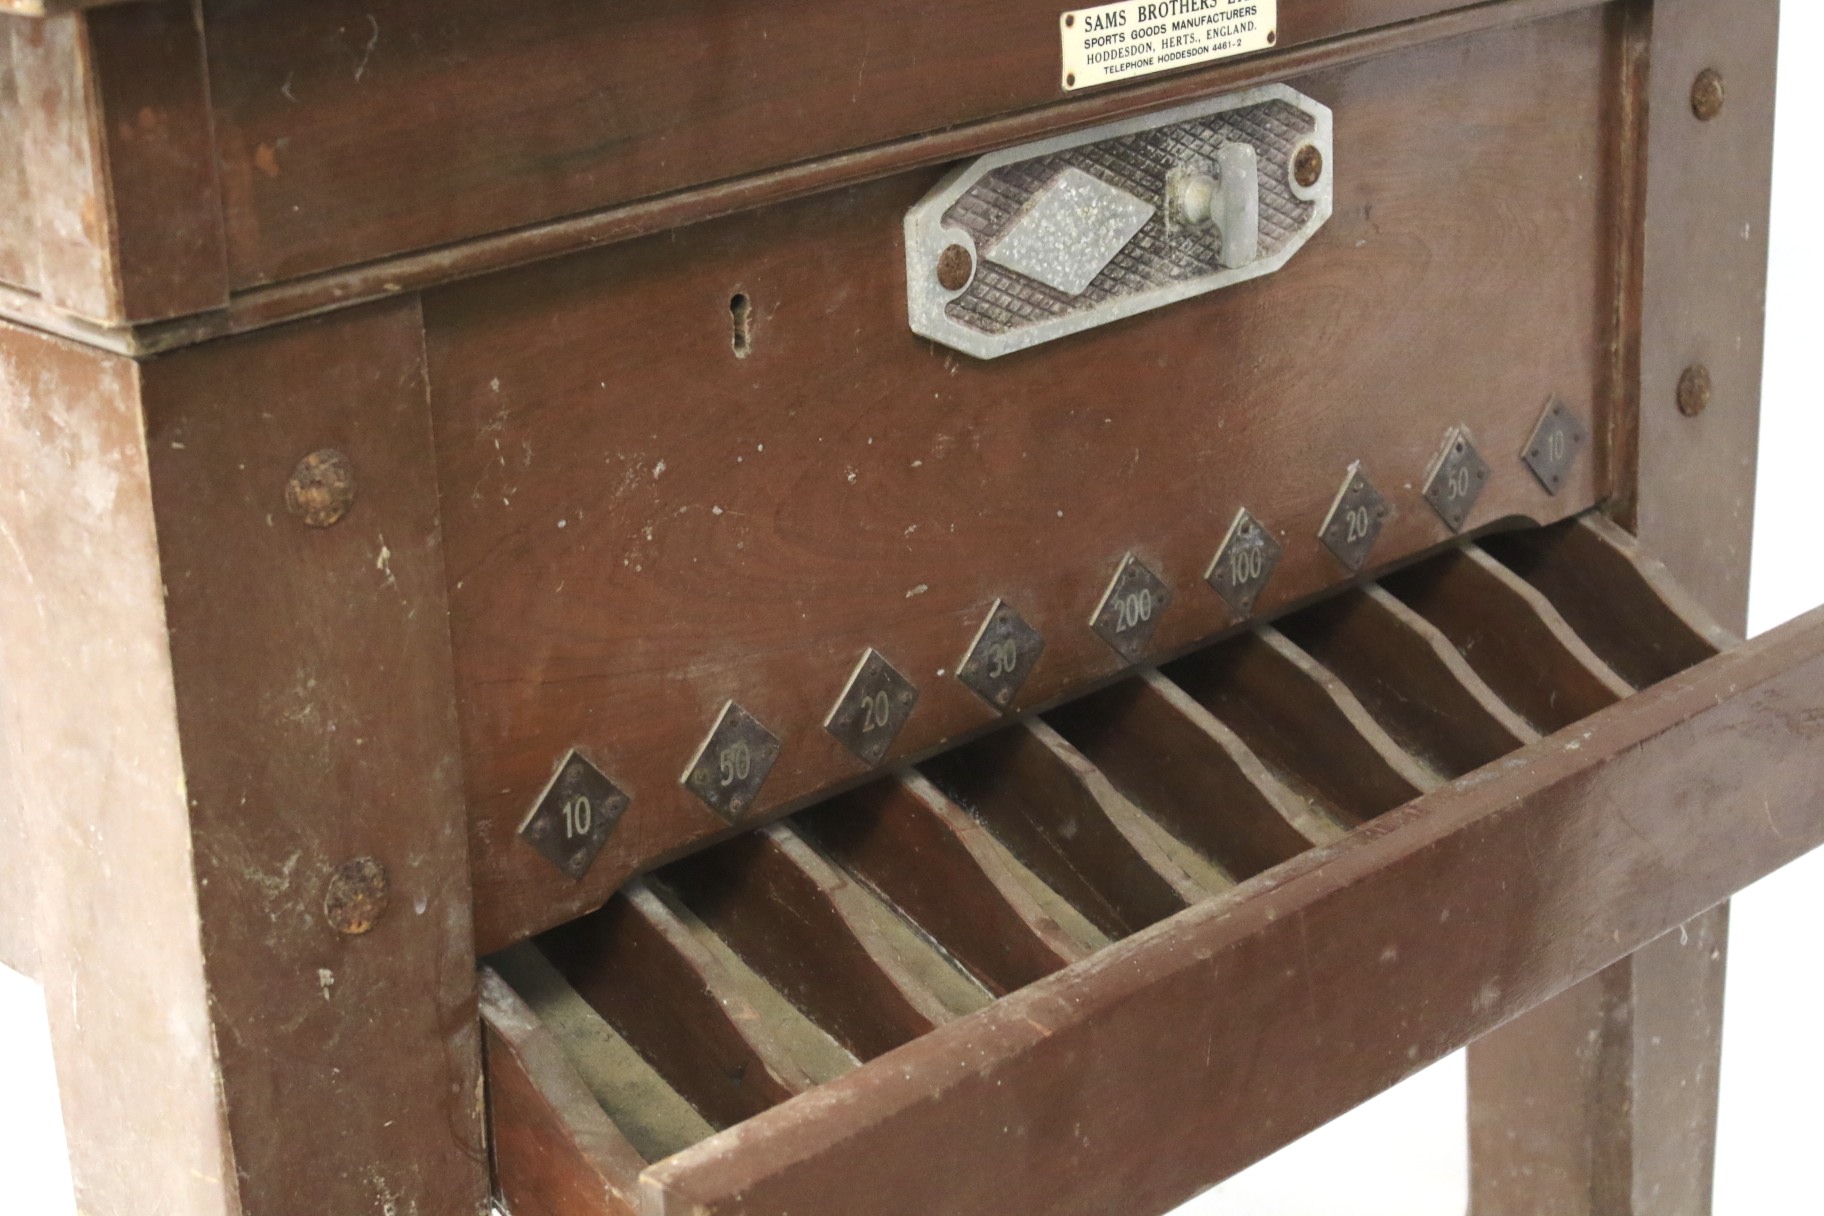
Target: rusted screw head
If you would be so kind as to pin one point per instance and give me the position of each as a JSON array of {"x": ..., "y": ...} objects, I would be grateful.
[
  {"x": 1694, "y": 390},
  {"x": 322, "y": 488},
  {"x": 954, "y": 266},
  {"x": 1308, "y": 166},
  {"x": 1707, "y": 94},
  {"x": 356, "y": 897}
]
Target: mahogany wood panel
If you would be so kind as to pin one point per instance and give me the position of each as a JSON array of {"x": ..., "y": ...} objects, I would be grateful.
[
  {"x": 907, "y": 840},
  {"x": 1062, "y": 818},
  {"x": 640, "y": 529},
  {"x": 1410, "y": 678},
  {"x": 1301, "y": 720},
  {"x": 1183, "y": 1054},
  {"x": 1189, "y": 771},
  {"x": 95, "y": 754},
  {"x": 313, "y": 701},
  {"x": 555, "y": 1152},
  {"x": 642, "y": 970},
  {"x": 1511, "y": 635},
  {"x": 350, "y": 131},
  {"x": 1619, "y": 599},
  {"x": 793, "y": 918}
]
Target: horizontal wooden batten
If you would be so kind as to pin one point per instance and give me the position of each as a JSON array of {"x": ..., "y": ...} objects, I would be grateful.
[
  {"x": 1330, "y": 35},
  {"x": 1132, "y": 1068}
]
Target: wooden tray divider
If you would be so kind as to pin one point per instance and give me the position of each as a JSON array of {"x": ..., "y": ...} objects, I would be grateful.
[
  {"x": 722, "y": 1039},
  {"x": 1512, "y": 635},
  {"x": 921, "y": 853},
  {"x": 1621, "y": 601},
  {"x": 555, "y": 1148},
  {"x": 654, "y": 1118},
  {"x": 1302, "y": 720},
  {"x": 1185, "y": 769},
  {"x": 1066, "y": 822},
  {"x": 1408, "y": 675},
  {"x": 827, "y": 944}
]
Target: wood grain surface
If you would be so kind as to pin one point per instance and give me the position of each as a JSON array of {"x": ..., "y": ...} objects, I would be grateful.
[{"x": 640, "y": 528}]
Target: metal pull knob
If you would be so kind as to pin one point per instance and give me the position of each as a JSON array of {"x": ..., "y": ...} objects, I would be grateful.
[{"x": 1228, "y": 202}]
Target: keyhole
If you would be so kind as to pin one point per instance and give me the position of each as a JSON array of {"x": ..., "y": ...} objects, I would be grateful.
[{"x": 741, "y": 323}]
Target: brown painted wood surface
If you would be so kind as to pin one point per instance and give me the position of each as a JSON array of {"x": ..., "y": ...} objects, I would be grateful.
[
  {"x": 1135, "y": 1067},
  {"x": 555, "y": 1152},
  {"x": 116, "y": 215},
  {"x": 1693, "y": 287},
  {"x": 1511, "y": 635},
  {"x": 1065, "y": 822},
  {"x": 1188, "y": 771},
  {"x": 793, "y": 918},
  {"x": 93, "y": 747},
  {"x": 1618, "y": 598},
  {"x": 352, "y": 131},
  {"x": 1302, "y": 720},
  {"x": 313, "y": 699},
  {"x": 925, "y": 856},
  {"x": 1410, "y": 678},
  {"x": 767, "y": 570},
  {"x": 642, "y": 970}
]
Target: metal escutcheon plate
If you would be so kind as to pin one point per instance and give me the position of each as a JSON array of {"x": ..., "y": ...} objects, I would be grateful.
[{"x": 1052, "y": 238}]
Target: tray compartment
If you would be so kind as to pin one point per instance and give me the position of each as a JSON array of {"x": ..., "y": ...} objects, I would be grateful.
[{"x": 1055, "y": 870}]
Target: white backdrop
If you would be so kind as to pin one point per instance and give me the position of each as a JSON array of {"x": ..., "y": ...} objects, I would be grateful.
[{"x": 1403, "y": 1153}]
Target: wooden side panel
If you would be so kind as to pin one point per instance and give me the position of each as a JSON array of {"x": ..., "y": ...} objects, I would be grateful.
[
  {"x": 313, "y": 695},
  {"x": 353, "y": 130},
  {"x": 93, "y": 748},
  {"x": 1192, "y": 1049},
  {"x": 642, "y": 527}
]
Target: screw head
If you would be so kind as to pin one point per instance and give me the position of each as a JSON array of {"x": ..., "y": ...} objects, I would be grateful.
[
  {"x": 1707, "y": 94},
  {"x": 1308, "y": 166},
  {"x": 322, "y": 488},
  {"x": 1694, "y": 390},
  {"x": 954, "y": 268},
  {"x": 356, "y": 897}
]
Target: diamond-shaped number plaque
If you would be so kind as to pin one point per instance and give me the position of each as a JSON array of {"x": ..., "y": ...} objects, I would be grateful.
[
  {"x": 571, "y": 820},
  {"x": 1457, "y": 481},
  {"x": 872, "y": 709},
  {"x": 1244, "y": 563},
  {"x": 1004, "y": 652},
  {"x": 1355, "y": 520},
  {"x": 733, "y": 762},
  {"x": 1555, "y": 445},
  {"x": 1131, "y": 608}
]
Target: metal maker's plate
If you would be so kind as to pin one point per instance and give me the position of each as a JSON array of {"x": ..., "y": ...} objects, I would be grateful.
[
  {"x": 1076, "y": 231},
  {"x": 733, "y": 762},
  {"x": 571, "y": 820},
  {"x": 1004, "y": 652},
  {"x": 872, "y": 709}
]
